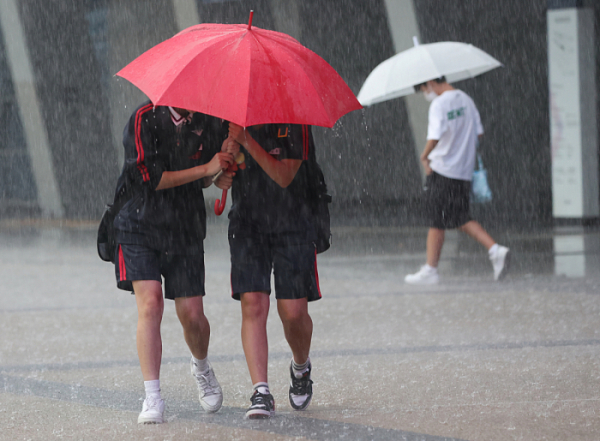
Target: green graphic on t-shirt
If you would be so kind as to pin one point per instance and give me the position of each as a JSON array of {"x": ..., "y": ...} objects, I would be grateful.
[{"x": 453, "y": 114}]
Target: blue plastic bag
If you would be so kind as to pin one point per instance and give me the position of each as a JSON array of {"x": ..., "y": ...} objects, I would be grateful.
[{"x": 480, "y": 189}]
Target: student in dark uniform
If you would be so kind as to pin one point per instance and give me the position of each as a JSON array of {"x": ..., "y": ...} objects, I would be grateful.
[
  {"x": 170, "y": 155},
  {"x": 270, "y": 230}
]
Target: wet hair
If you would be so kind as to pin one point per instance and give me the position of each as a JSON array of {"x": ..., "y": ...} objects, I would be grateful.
[{"x": 437, "y": 80}]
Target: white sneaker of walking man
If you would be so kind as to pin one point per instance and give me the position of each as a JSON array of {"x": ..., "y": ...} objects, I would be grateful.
[
  {"x": 427, "y": 275},
  {"x": 500, "y": 258}
]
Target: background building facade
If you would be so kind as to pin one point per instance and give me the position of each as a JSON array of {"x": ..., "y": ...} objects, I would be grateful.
[{"x": 65, "y": 162}]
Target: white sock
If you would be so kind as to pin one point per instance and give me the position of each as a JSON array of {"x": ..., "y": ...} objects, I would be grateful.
[
  {"x": 152, "y": 388},
  {"x": 429, "y": 268},
  {"x": 200, "y": 365},
  {"x": 299, "y": 369},
  {"x": 262, "y": 388},
  {"x": 493, "y": 249}
]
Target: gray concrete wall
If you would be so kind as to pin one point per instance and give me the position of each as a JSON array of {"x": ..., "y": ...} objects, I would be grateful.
[
  {"x": 133, "y": 27},
  {"x": 28, "y": 105},
  {"x": 72, "y": 104},
  {"x": 369, "y": 156}
]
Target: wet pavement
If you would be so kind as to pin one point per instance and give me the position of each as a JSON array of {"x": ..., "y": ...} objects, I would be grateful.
[{"x": 469, "y": 359}]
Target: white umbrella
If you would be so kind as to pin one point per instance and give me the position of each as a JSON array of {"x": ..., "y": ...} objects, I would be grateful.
[{"x": 397, "y": 76}]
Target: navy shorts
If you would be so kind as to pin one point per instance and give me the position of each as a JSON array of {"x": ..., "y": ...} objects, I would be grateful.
[
  {"x": 447, "y": 201},
  {"x": 254, "y": 255},
  {"x": 183, "y": 274}
]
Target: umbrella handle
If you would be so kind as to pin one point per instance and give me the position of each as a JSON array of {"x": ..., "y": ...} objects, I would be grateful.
[{"x": 220, "y": 204}]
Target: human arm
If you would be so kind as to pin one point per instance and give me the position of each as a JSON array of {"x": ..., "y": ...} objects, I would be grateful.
[
  {"x": 478, "y": 124},
  {"x": 436, "y": 127},
  {"x": 144, "y": 165},
  {"x": 225, "y": 181},
  {"x": 172, "y": 179},
  {"x": 429, "y": 146},
  {"x": 282, "y": 172},
  {"x": 228, "y": 146},
  {"x": 144, "y": 162}
]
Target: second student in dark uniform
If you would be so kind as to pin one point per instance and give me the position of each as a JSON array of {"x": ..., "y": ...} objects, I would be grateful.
[
  {"x": 270, "y": 231},
  {"x": 169, "y": 156}
]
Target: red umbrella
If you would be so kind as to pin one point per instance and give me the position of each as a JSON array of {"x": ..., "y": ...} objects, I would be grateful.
[{"x": 242, "y": 74}]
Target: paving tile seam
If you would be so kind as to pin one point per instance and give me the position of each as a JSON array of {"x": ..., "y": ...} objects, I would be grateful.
[
  {"x": 412, "y": 257},
  {"x": 505, "y": 289},
  {"x": 496, "y": 404},
  {"x": 62, "y": 308},
  {"x": 315, "y": 354}
]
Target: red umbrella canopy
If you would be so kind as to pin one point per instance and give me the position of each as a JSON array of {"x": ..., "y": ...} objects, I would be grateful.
[{"x": 243, "y": 74}]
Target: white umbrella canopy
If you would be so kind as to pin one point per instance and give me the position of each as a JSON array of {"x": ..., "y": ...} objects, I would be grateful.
[{"x": 397, "y": 76}]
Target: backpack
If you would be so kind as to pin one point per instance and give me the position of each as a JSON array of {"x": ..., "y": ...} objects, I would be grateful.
[
  {"x": 318, "y": 200},
  {"x": 106, "y": 242}
]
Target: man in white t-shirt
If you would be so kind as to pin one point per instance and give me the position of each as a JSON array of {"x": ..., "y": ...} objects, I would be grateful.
[{"x": 449, "y": 160}]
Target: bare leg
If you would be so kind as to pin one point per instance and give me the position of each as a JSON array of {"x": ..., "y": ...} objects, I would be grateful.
[
  {"x": 297, "y": 326},
  {"x": 255, "y": 310},
  {"x": 476, "y": 231},
  {"x": 196, "y": 329},
  {"x": 435, "y": 242},
  {"x": 150, "y": 303}
]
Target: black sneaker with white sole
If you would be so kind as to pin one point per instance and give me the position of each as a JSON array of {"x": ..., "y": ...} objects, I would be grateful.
[
  {"x": 300, "y": 389},
  {"x": 263, "y": 406}
]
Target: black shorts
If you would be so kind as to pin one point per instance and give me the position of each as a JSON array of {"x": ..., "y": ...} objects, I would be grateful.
[
  {"x": 446, "y": 201},
  {"x": 290, "y": 257},
  {"x": 183, "y": 274}
]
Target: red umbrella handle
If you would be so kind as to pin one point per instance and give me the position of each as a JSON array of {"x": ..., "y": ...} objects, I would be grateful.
[{"x": 220, "y": 204}]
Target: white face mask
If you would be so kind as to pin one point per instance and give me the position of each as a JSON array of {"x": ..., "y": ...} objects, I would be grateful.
[{"x": 430, "y": 95}]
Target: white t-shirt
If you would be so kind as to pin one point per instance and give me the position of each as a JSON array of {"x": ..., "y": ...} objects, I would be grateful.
[{"x": 455, "y": 123}]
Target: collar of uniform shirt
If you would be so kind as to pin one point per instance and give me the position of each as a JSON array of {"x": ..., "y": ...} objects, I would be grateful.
[{"x": 178, "y": 119}]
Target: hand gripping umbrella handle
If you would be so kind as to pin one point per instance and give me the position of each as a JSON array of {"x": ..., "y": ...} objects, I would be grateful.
[
  {"x": 239, "y": 160},
  {"x": 220, "y": 204}
]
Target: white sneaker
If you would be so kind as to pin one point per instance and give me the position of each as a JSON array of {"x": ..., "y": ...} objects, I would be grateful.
[
  {"x": 153, "y": 411},
  {"x": 425, "y": 276},
  {"x": 500, "y": 260},
  {"x": 210, "y": 393}
]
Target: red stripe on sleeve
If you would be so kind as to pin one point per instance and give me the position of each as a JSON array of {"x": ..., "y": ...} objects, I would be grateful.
[{"x": 138, "y": 142}]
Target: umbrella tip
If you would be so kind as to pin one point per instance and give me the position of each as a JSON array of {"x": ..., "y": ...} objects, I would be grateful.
[
  {"x": 250, "y": 19},
  {"x": 415, "y": 40}
]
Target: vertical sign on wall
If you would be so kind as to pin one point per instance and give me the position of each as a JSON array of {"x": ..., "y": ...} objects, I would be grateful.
[{"x": 573, "y": 131}]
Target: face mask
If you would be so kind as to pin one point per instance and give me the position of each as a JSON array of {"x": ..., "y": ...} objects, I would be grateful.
[{"x": 430, "y": 95}]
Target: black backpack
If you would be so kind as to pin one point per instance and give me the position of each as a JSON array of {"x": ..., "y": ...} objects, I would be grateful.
[
  {"x": 320, "y": 204},
  {"x": 318, "y": 199},
  {"x": 106, "y": 241}
]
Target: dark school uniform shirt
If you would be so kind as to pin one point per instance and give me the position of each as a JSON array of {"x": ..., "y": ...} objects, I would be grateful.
[
  {"x": 157, "y": 139},
  {"x": 258, "y": 200}
]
